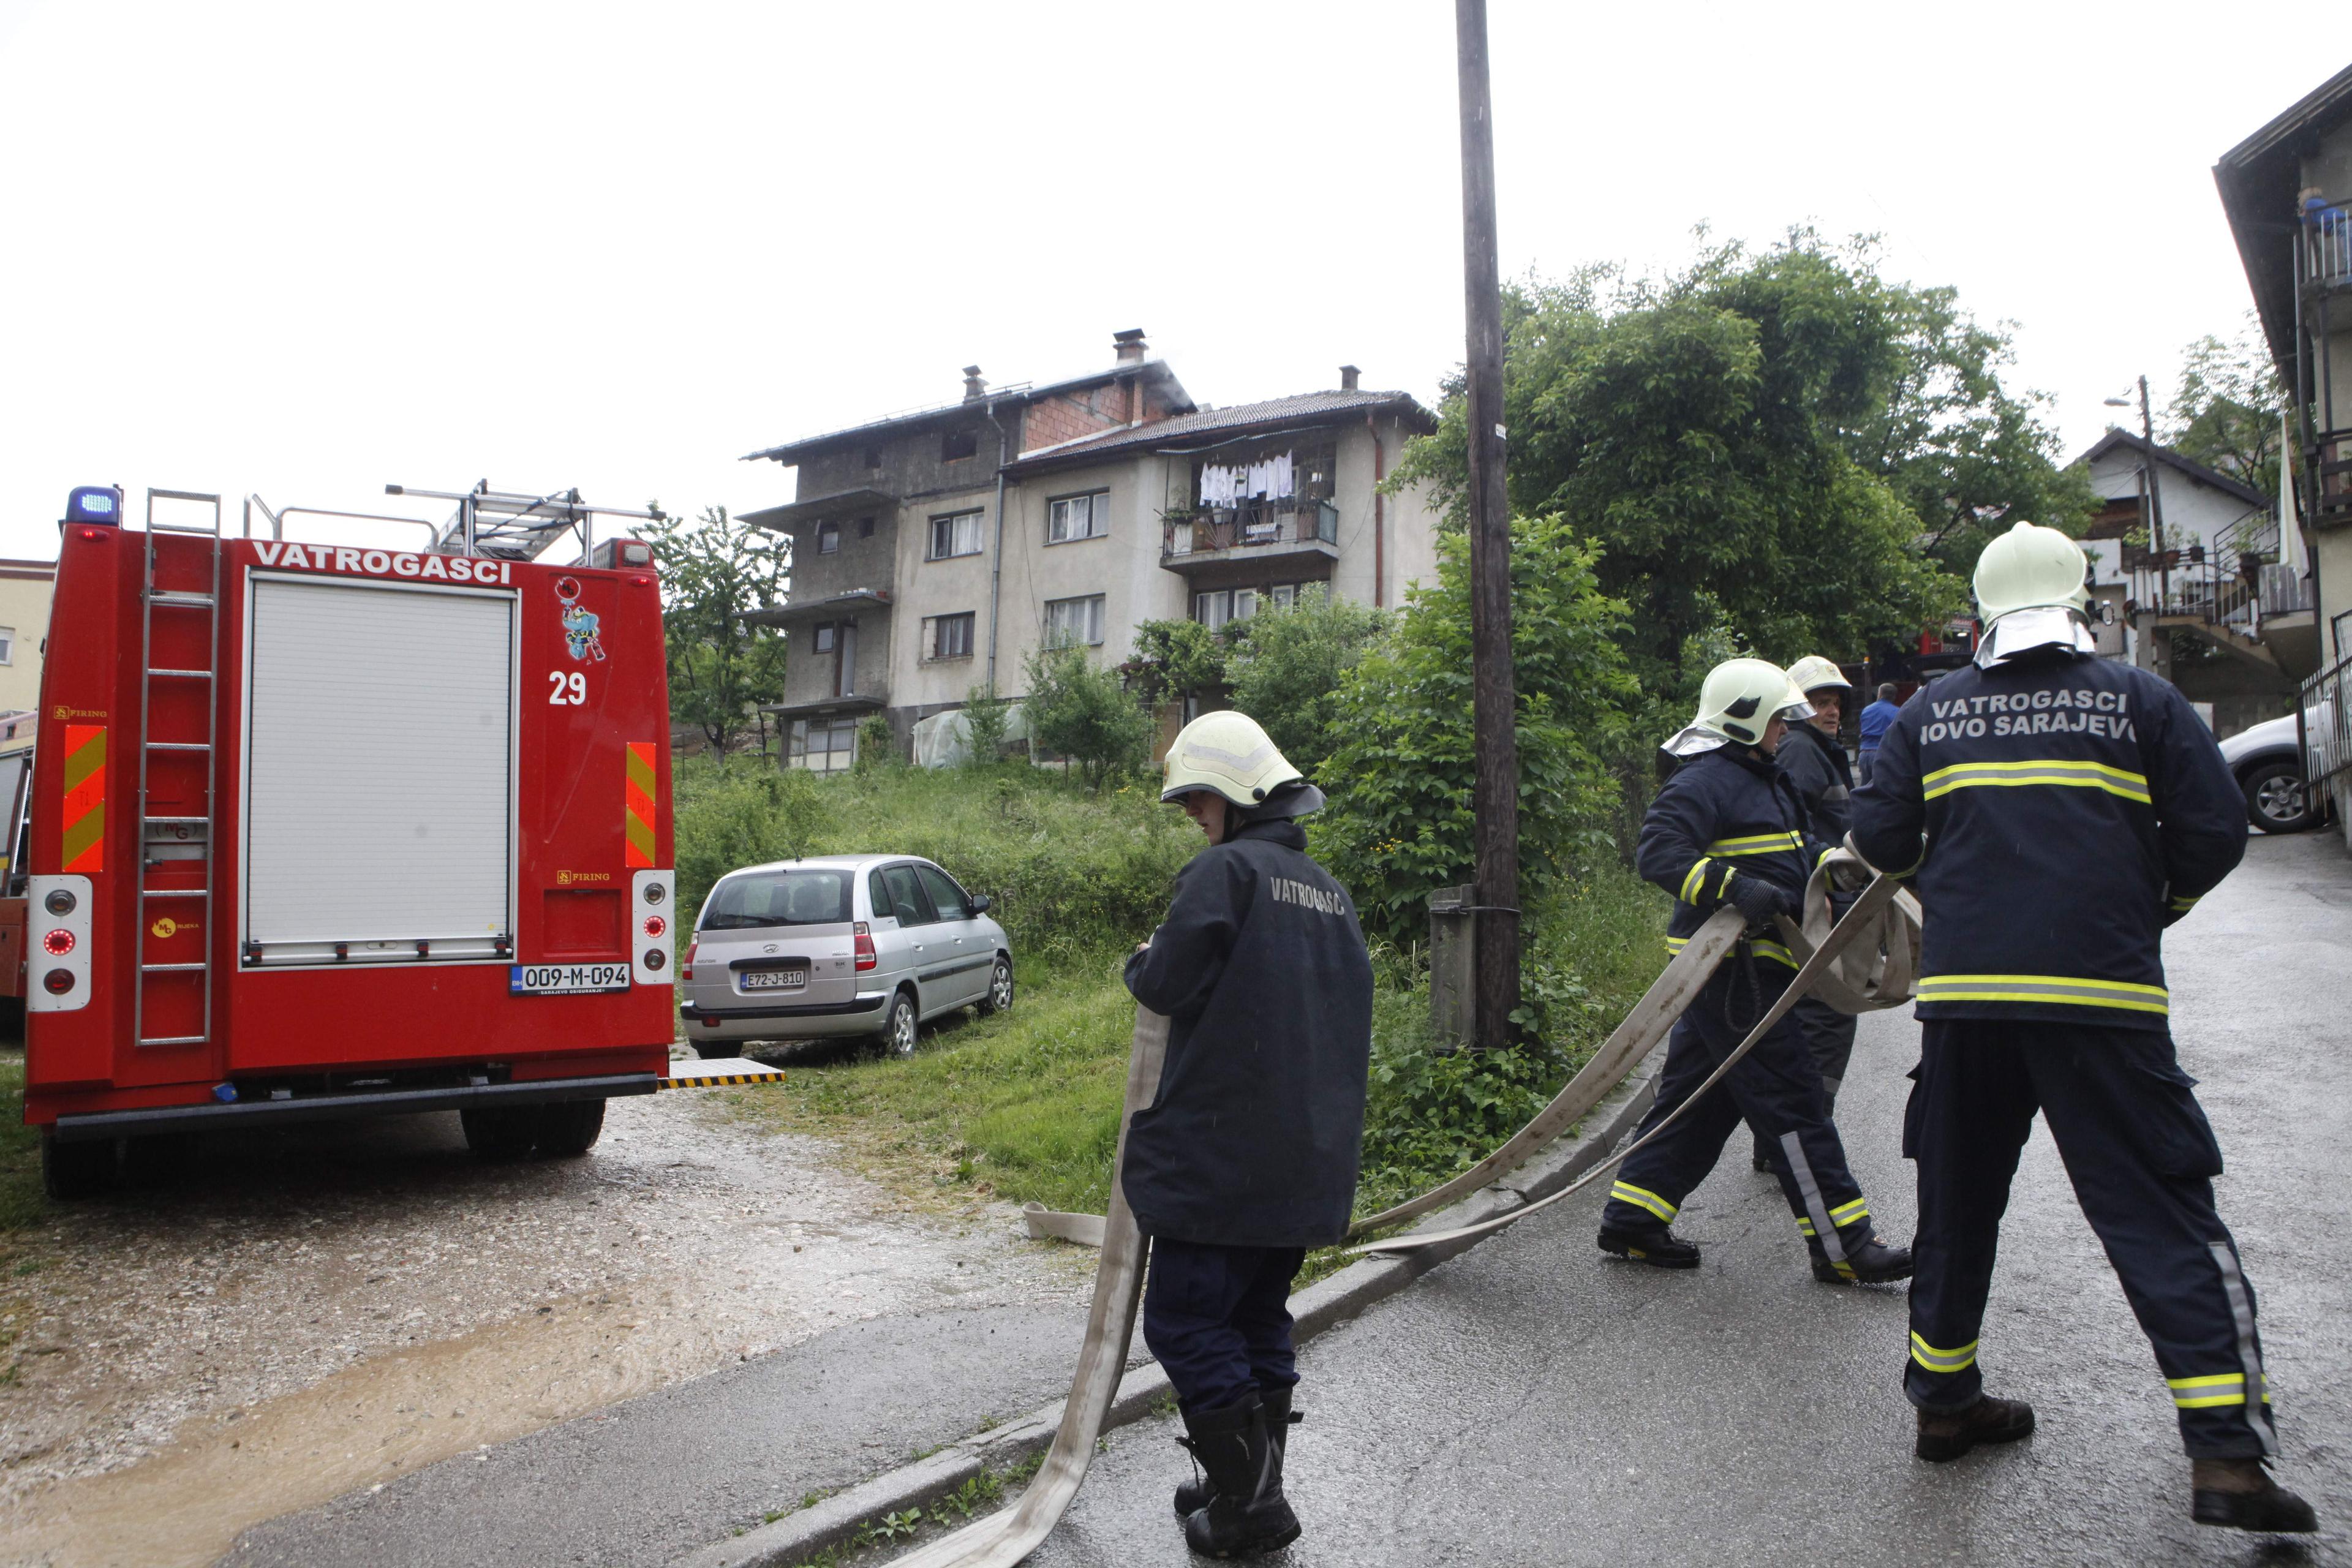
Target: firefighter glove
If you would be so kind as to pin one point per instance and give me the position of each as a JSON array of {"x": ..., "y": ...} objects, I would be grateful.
[{"x": 1759, "y": 901}]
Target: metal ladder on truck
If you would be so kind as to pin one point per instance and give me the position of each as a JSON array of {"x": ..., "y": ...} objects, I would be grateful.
[{"x": 178, "y": 602}]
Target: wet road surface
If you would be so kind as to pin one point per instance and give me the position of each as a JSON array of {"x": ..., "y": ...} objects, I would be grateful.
[{"x": 1531, "y": 1403}]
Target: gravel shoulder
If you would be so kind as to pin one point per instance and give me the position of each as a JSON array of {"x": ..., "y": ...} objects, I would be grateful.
[{"x": 295, "y": 1316}]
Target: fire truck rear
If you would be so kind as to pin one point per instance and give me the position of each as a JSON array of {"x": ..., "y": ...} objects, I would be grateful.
[{"x": 322, "y": 831}]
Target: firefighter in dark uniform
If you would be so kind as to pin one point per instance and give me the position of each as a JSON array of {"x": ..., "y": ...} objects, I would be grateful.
[
  {"x": 1728, "y": 828},
  {"x": 1814, "y": 762},
  {"x": 1247, "y": 1154},
  {"x": 2057, "y": 811}
]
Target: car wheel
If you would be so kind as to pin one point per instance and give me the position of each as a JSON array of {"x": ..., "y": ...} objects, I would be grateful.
[
  {"x": 499, "y": 1132},
  {"x": 899, "y": 1028},
  {"x": 998, "y": 998},
  {"x": 70, "y": 1171},
  {"x": 569, "y": 1126},
  {"x": 2276, "y": 800}
]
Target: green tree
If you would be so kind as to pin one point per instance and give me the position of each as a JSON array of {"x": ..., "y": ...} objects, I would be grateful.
[
  {"x": 1780, "y": 443},
  {"x": 1085, "y": 714},
  {"x": 986, "y": 717},
  {"x": 1400, "y": 822},
  {"x": 1176, "y": 660},
  {"x": 2227, "y": 412},
  {"x": 1287, "y": 671},
  {"x": 713, "y": 570}
]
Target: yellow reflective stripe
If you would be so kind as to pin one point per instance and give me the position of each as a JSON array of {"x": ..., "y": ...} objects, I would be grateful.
[
  {"x": 1846, "y": 1214},
  {"x": 1822, "y": 859},
  {"x": 1935, "y": 1360},
  {"x": 2065, "y": 988},
  {"x": 1677, "y": 943},
  {"x": 1691, "y": 883},
  {"x": 2212, "y": 1391},
  {"x": 1643, "y": 1198},
  {"x": 2184, "y": 905},
  {"x": 1758, "y": 844},
  {"x": 2043, "y": 771},
  {"x": 1805, "y": 1226},
  {"x": 1723, "y": 883},
  {"x": 1775, "y": 950}
]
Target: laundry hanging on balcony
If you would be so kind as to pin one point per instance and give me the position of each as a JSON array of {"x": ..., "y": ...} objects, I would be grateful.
[{"x": 1271, "y": 479}]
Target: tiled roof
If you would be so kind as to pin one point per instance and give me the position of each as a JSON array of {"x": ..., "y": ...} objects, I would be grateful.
[{"x": 1187, "y": 429}]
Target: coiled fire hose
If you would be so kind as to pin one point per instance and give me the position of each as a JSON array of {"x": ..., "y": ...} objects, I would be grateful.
[{"x": 1866, "y": 960}]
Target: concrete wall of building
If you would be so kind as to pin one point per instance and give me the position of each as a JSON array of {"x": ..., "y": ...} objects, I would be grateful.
[{"x": 25, "y": 588}]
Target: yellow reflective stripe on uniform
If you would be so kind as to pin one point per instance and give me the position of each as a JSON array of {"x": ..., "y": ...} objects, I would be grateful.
[
  {"x": 1677, "y": 943},
  {"x": 2207, "y": 1393},
  {"x": 2182, "y": 906},
  {"x": 1758, "y": 844},
  {"x": 1774, "y": 950},
  {"x": 2044, "y": 988},
  {"x": 1723, "y": 883},
  {"x": 1935, "y": 1360},
  {"x": 2044, "y": 771},
  {"x": 1846, "y": 1214},
  {"x": 1643, "y": 1198},
  {"x": 1691, "y": 883}
]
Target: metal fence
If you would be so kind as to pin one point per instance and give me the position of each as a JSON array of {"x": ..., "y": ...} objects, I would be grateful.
[{"x": 2326, "y": 725}]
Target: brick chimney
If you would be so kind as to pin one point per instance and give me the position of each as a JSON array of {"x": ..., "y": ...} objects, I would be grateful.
[
  {"x": 1348, "y": 376},
  {"x": 1129, "y": 345},
  {"x": 974, "y": 384}
]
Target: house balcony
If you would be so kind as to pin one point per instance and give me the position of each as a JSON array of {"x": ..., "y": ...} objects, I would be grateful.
[
  {"x": 2331, "y": 462},
  {"x": 1253, "y": 532}
]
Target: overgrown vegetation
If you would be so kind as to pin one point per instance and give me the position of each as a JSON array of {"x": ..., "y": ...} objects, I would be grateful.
[
  {"x": 713, "y": 569},
  {"x": 1084, "y": 713}
]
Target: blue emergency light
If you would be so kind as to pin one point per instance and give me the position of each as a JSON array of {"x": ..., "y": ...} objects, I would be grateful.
[{"x": 95, "y": 504}]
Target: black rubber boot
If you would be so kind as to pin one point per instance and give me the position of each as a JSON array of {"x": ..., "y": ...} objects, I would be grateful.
[
  {"x": 2239, "y": 1493},
  {"x": 1988, "y": 1420},
  {"x": 1761, "y": 1157},
  {"x": 1868, "y": 1260},
  {"x": 1658, "y": 1248},
  {"x": 1196, "y": 1494},
  {"x": 1246, "y": 1515}
]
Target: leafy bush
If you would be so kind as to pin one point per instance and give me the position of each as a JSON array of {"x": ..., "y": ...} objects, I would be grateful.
[
  {"x": 876, "y": 746},
  {"x": 741, "y": 814},
  {"x": 1400, "y": 780},
  {"x": 1288, "y": 672},
  {"x": 1084, "y": 713},
  {"x": 1175, "y": 659},
  {"x": 986, "y": 717}
]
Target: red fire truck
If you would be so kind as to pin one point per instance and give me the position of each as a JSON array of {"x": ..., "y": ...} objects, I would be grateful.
[{"x": 320, "y": 830}]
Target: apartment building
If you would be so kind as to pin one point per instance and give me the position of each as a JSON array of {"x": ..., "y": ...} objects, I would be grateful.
[
  {"x": 24, "y": 590},
  {"x": 934, "y": 551}
]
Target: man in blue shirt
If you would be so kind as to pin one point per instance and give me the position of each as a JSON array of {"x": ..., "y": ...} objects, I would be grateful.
[{"x": 1875, "y": 721}]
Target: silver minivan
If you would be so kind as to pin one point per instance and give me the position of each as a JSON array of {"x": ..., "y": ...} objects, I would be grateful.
[{"x": 839, "y": 945}]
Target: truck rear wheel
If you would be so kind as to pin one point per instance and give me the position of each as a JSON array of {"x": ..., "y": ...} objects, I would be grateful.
[
  {"x": 569, "y": 1126},
  {"x": 500, "y": 1134},
  {"x": 71, "y": 1170}
]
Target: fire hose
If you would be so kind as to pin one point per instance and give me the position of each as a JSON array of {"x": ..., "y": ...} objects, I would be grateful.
[{"x": 1867, "y": 959}]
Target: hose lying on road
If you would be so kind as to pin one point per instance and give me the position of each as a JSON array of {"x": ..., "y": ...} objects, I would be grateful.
[
  {"x": 1004, "y": 1538},
  {"x": 1866, "y": 961}
]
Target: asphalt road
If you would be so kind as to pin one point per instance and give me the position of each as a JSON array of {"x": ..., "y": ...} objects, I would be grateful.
[{"x": 1531, "y": 1403}]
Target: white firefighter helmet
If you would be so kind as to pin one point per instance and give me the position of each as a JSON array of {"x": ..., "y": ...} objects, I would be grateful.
[
  {"x": 1813, "y": 672},
  {"x": 2031, "y": 568},
  {"x": 1740, "y": 696},
  {"x": 1227, "y": 753}
]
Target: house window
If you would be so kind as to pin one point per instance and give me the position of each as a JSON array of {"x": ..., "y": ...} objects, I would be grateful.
[
  {"x": 865, "y": 528},
  {"x": 956, "y": 444},
  {"x": 1077, "y": 516},
  {"x": 1215, "y": 609},
  {"x": 956, "y": 533},
  {"x": 822, "y": 745},
  {"x": 1288, "y": 596},
  {"x": 8, "y": 644},
  {"x": 1072, "y": 622},
  {"x": 828, "y": 538},
  {"x": 947, "y": 637},
  {"x": 825, "y": 638}
]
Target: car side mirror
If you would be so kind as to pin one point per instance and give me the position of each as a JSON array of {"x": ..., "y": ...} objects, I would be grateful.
[{"x": 980, "y": 902}]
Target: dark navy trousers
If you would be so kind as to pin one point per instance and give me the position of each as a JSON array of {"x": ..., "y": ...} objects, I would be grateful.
[
  {"x": 1217, "y": 1319},
  {"x": 1776, "y": 1087},
  {"x": 2142, "y": 1158},
  {"x": 1829, "y": 1040}
]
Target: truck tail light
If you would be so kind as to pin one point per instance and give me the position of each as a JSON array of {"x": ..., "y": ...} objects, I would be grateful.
[
  {"x": 58, "y": 982},
  {"x": 864, "y": 948},
  {"x": 686, "y": 970},
  {"x": 59, "y": 943},
  {"x": 656, "y": 925}
]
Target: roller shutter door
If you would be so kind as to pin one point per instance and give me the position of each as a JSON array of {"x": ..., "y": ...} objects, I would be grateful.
[{"x": 379, "y": 771}]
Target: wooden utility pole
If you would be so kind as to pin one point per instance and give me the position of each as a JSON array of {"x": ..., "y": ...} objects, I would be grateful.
[{"x": 1493, "y": 704}]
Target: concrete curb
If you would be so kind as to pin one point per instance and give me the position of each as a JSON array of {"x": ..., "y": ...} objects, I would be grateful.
[{"x": 1325, "y": 1304}]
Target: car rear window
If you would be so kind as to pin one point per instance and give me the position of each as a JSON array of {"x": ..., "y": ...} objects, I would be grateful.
[{"x": 781, "y": 899}]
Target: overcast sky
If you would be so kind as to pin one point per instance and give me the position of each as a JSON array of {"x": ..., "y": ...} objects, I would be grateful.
[{"x": 305, "y": 249}]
